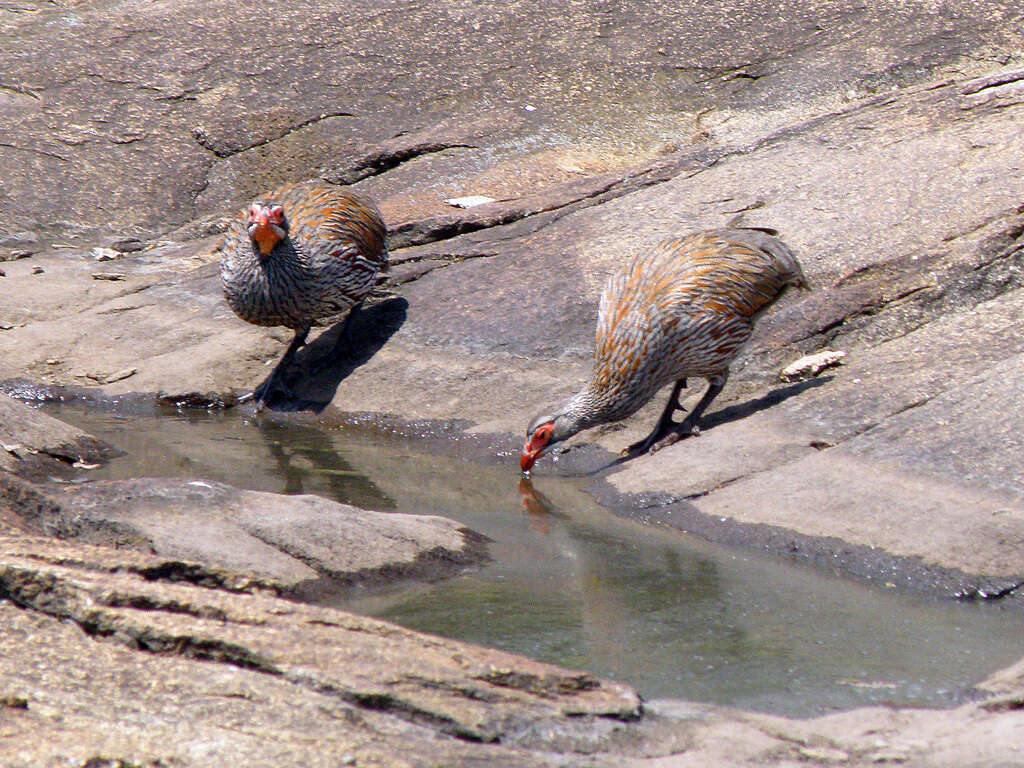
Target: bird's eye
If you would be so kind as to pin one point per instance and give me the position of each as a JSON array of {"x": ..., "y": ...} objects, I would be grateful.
[{"x": 277, "y": 214}]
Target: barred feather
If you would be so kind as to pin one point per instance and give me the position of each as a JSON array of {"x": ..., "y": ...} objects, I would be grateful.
[
  {"x": 685, "y": 309},
  {"x": 327, "y": 264}
]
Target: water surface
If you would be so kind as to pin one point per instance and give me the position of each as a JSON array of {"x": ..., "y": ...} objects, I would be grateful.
[{"x": 573, "y": 584}]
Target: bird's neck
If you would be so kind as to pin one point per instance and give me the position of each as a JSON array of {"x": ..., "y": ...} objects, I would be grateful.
[
  {"x": 603, "y": 403},
  {"x": 283, "y": 256},
  {"x": 585, "y": 410}
]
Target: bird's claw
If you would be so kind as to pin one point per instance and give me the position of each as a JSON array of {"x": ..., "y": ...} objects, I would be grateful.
[
  {"x": 665, "y": 442},
  {"x": 262, "y": 393},
  {"x": 257, "y": 395},
  {"x": 674, "y": 437},
  {"x": 636, "y": 449}
]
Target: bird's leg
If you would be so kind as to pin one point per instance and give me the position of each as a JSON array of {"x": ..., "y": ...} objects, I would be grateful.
[
  {"x": 273, "y": 381},
  {"x": 665, "y": 423},
  {"x": 689, "y": 425}
]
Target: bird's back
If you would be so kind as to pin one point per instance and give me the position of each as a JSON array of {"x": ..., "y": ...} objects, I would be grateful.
[
  {"x": 335, "y": 248},
  {"x": 685, "y": 309},
  {"x": 334, "y": 225}
]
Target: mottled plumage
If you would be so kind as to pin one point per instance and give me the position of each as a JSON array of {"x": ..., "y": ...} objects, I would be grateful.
[
  {"x": 683, "y": 309},
  {"x": 304, "y": 255}
]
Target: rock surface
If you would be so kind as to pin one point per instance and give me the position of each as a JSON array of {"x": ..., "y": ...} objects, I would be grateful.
[
  {"x": 291, "y": 684},
  {"x": 491, "y": 315},
  {"x": 202, "y": 676},
  {"x": 213, "y": 533},
  {"x": 26, "y": 434},
  {"x": 194, "y": 675},
  {"x": 288, "y": 542},
  {"x": 882, "y": 140}
]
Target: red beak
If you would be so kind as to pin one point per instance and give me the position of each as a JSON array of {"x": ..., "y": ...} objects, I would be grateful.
[
  {"x": 263, "y": 232},
  {"x": 527, "y": 459},
  {"x": 532, "y": 450}
]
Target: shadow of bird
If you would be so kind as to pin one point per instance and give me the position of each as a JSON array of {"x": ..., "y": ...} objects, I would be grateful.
[
  {"x": 336, "y": 354},
  {"x": 735, "y": 412}
]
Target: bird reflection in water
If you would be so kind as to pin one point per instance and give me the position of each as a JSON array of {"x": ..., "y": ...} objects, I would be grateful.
[
  {"x": 536, "y": 504},
  {"x": 308, "y": 461}
]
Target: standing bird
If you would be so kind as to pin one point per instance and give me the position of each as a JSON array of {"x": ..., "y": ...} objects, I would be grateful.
[
  {"x": 305, "y": 255},
  {"x": 684, "y": 309}
]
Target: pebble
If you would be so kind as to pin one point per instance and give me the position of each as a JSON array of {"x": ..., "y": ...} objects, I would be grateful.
[
  {"x": 110, "y": 378},
  {"x": 469, "y": 201},
  {"x": 104, "y": 254},
  {"x": 811, "y": 365}
]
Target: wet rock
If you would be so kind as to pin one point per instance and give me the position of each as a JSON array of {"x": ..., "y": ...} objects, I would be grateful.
[
  {"x": 292, "y": 544},
  {"x": 210, "y": 400},
  {"x": 28, "y": 437}
]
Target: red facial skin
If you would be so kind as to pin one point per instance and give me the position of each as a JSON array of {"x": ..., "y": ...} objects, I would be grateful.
[
  {"x": 265, "y": 226},
  {"x": 535, "y": 446}
]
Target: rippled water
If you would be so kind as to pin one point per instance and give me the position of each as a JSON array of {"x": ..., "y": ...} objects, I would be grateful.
[{"x": 573, "y": 584}]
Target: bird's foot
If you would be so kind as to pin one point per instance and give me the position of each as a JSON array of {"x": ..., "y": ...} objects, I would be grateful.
[
  {"x": 664, "y": 434},
  {"x": 684, "y": 430},
  {"x": 657, "y": 440},
  {"x": 673, "y": 437},
  {"x": 259, "y": 396},
  {"x": 643, "y": 446},
  {"x": 262, "y": 394}
]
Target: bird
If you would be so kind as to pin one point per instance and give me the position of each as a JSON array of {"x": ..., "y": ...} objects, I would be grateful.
[
  {"x": 304, "y": 254},
  {"x": 682, "y": 309}
]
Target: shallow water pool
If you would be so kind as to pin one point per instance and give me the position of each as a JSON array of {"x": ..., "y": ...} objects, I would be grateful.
[{"x": 574, "y": 584}]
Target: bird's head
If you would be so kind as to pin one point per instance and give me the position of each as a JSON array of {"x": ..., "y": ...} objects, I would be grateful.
[
  {"x": 267, "y": 226},
  {"x": 545, "y": 430}
]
